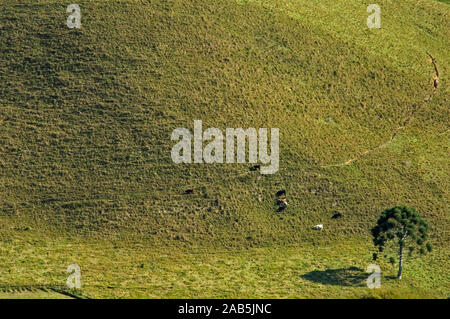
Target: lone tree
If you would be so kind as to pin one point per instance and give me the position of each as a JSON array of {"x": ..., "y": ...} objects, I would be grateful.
[{"x": 401, "y": 226}]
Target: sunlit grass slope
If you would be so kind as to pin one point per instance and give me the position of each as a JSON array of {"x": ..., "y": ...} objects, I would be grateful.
[
  {"x": 86, "y": 117},
  {"x": 85, "y": 122}
]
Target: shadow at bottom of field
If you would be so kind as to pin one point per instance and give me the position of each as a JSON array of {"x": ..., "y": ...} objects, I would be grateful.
[{"x": 349, "y": 277}]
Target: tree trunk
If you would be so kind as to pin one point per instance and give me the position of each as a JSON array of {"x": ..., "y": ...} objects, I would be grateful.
[{"x": 400, "y": 263}]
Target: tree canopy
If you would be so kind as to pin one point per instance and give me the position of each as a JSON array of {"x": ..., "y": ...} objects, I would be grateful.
[{"x": 405, "y": 227}]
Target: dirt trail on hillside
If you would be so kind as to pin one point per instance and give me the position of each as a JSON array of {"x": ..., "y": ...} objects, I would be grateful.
[{"x": 404, "y": 123}]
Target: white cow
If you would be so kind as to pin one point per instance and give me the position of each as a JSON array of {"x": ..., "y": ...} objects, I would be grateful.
[{"x": 318, "y": 227}]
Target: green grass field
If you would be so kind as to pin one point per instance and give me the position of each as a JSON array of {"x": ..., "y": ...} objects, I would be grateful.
[
  {"x": 133, "y": 270},
  {"x": 86, "y": 175}
]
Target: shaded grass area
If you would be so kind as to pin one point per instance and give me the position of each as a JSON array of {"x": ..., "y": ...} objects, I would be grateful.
[
  {"x": 352, "y": 276},
  {"x": 136, "y": 270},
  {"x": 32, "y": 294},
  {"x": 38, "y": 292}
]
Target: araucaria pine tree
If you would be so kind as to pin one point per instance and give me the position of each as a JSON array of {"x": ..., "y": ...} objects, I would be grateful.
[{"x": 403, "y": 227}]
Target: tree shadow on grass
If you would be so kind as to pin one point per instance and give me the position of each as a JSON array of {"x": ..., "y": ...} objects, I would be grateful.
[{"x": 352, "y": 276}]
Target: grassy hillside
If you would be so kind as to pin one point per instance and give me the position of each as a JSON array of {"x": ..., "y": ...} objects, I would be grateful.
[{"x": 86, "y": 117}]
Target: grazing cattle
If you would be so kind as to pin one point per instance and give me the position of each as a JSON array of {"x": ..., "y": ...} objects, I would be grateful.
[
  {"x": 282, "y": 202},
  {"x": 255, "y": 168},
  {"x": 281, "y": 193},
  {"x": 281, "y": 208},
  {"x": 189, "y": 191},
  {"x": 318, "y": 227},
  {"x": 336, "y": 215}
]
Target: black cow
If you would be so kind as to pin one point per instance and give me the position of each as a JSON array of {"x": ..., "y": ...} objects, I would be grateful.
[
  {"x": 336, "y": 215},
  {"x": 281, "y": 193}
]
